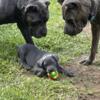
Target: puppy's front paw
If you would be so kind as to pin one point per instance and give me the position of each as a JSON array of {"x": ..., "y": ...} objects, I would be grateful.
[
  {"x": 39, "y": 74},
  {"x": 86, "y": 62}
]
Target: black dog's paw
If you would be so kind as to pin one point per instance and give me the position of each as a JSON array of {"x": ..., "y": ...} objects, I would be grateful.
[{"x": 86, "y": 62}]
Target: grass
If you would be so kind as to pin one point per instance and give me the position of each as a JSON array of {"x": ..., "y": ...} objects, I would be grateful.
[{"x": 17, "y": 85}]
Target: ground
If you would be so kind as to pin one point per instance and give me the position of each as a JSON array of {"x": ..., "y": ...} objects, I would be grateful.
[
  {"x": 18, "y": 84},
  {"x": 87, "y": 79}
]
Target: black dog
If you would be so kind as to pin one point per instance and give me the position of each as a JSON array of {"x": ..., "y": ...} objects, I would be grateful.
[
  {"x": 30, "y": 15},
  {"x": 39, "y": 62},
  {"x": 76, "y": 14}
]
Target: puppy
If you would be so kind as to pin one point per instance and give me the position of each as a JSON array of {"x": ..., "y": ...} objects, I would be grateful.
[{"x": 39, "y": 62}]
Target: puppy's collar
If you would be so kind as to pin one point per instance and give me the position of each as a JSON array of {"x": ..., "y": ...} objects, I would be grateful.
[
  {"x": 45, "y": 56},
  {"x": 93, "y": 11}
]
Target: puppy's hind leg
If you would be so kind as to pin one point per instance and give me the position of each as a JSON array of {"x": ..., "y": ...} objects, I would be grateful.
[
  {"x": 24, "y": 65},
  {"x": 21, "y": 58}
]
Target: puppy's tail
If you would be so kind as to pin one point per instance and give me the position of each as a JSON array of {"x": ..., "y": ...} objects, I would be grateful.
[
  {"x": 17, "y": 50},
  {"x": 67, "y": 72}
]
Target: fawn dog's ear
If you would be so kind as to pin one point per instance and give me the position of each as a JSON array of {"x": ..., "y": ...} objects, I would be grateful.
[{"x": 61, "y": 1}]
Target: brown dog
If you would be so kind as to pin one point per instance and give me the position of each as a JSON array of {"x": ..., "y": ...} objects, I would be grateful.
[{"x": 76, "y": 14}]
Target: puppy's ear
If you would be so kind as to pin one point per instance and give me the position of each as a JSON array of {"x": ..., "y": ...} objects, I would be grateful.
[
  {"x": 40, "y": 63},
  {"x": 61, "y": 1},
  {"x": 55, "y": 57}
]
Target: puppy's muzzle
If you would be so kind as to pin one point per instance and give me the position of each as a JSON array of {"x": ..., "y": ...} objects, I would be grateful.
[{"x": 51, "y": 69}]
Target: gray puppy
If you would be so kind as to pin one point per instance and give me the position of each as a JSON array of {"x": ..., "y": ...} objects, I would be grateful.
[
  {"x": 30, "y": 15},
  {"x": 39, "y": 62},
  {"x": 76, "y": 14}
]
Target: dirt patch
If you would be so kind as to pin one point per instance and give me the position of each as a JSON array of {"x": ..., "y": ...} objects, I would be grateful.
[{"x": 87, "y": 79}]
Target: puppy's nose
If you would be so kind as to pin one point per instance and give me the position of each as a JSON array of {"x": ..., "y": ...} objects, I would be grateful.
[{"x": 51, "y": 69}]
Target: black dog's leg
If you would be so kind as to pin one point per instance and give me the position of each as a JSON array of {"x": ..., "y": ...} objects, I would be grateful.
[
  {"x": 25, "y": 33},
  {"x": 95, "y": 41}
]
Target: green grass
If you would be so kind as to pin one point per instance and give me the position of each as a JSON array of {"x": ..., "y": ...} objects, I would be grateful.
[{"x": 17, "y": 85}]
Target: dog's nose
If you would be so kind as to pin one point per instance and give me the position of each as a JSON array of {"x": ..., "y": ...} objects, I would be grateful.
[
  {"x": 51, "y": 69},
  {"x": 42, "y": 32}
]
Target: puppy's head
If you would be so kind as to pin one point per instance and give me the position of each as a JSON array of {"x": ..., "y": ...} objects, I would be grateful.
[
  {"x": 36, "y": 15},
  {"x": 49, "y": 62},
  {"x": 76, "y": 13}
]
